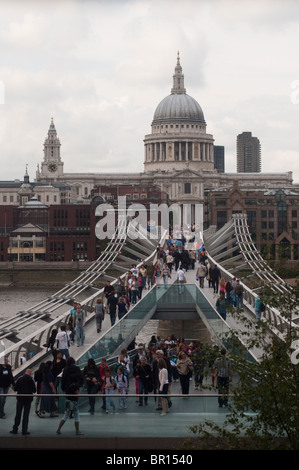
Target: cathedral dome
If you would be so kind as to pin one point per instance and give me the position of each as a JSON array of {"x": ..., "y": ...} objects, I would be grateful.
[{"x": 178, "y": 106}]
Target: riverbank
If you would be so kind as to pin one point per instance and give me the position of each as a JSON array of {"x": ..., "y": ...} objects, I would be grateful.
[{"x": 40, "y": 274}]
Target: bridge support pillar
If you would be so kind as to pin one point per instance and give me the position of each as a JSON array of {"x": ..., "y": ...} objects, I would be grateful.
[{"x": 187, "y": 329}]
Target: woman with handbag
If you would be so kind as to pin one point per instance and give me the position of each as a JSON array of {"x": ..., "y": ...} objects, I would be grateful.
[{"x": 184, "y": 367}]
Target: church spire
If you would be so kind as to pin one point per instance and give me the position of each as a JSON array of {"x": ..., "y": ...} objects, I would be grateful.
[{"x": 178, "y": 78}]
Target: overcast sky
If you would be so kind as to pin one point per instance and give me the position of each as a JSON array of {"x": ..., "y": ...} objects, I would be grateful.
[{"x": 100, "y": 69}]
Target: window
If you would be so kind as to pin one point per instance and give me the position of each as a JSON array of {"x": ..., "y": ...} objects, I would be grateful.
[
  {"x": 221, "y": 219},
  {"x": 187, "y": 188}
]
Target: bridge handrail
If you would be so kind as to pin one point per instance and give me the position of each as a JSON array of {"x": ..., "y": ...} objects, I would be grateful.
[
  {"x": 276, "y": 319},
  {"x": 62, "y": 319}
]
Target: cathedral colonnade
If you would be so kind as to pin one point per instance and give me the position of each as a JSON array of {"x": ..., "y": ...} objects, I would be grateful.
[{"x": 177, "y": 150}]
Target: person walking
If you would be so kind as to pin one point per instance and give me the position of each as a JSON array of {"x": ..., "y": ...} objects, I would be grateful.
[
  {"x": 163, "y": 385},
  {"x": 239, "y": 295},
  {"x": 165, "y": 275},
  {"x": 109, "y": 390},
  {"x": 92, "y": 377},
  {"x": 215, "y": 277},
  {"x": 71, "y": 322},
  {"x": 221, "y": 305},
  {"x": 180, "y": 278},
  {"x": 184, "y": 367},
  {"x": 63, "y": 341},
  {"x": 99, "y": 313},
  {"x": 150, "y": 275},
  {"x": 201, "y": 273},
  {"x": 122, "y": 386},
  {"x": 111, "y": 307},
  {"x": 24, "y": 386},
  {"x": 71, "y": 381},
  {"x": 121, "y": 308},
  {"x": 47, "y": 403},
  {"x": 6, "y": 381},
  {"x": 80, "y": 324},
  {"x": 224, "y": 376}
]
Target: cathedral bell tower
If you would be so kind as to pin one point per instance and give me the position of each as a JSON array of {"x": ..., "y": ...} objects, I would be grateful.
[{"x": 52, "y": 166}]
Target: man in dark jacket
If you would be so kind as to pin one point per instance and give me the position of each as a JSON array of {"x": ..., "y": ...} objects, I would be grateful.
[
  {"x": 161, "y": 355},
  {"x": 215, "y": 277},
  {"x": 24, "y": 386},
  {"x": 72, "y": 374},
  {"x": 6, "y": 380}
]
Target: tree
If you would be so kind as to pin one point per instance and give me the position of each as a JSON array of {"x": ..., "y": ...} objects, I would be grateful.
[{"x": 263, "y": 411}]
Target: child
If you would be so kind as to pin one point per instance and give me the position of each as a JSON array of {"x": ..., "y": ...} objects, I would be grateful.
[
  {"x": 122, "y": 386},
  {"x": 109, "y": 390}
]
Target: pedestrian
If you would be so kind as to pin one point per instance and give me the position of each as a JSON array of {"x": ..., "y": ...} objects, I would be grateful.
[
  {"x": 221, "y": 305},
  {"x": 259, "y": 307},
  {"x": 133, "y": 285},
  {"x": 80, "y": 324},
  {"x": 121, "y": 308},
  {"x": 150, "y": 275},
  {"x": 47, "y": 403},
  {"x": 180, "y": 278},
  {"x": 99, "y": 313},
  {"x": 59, "y": 364},
  {"x": 119, "y": 287},
  {"x": 155, "y": 376},
  {"x": 163, "y": 385},
  {"x": 23, "y": 359},
  {"x": 111, "y": 307},
  {"x": 24, "y": 386},
  {"x": 224, "y": 375},
  {"x": 6, "y": 381},
  {"x": 165, "y": 275},
  {"x": 201, "y": 274},
  {"x": 92, "y": 378},
  {"x": 108, "y": 290},
  {"x": 215, "y": 277},
  {"x": 102, "y": 367},
  {"x": 140, "y": 286},
  {"x": 184, "y": 367},
  {"x": 63, "y": 341},
  {"x": 143, "y": 273},
  {"x": 52, "y": 340},
  {"x": 141, "y": 374},
  {"x": 169, "y": 261},
  {"x": 109, "y": 389},
  {"x": 71, "y": 382},
  {"x": 71, "y": 322},
  {"x": 38, "y": 379},
  {"x": 122, "y": 386},
  {"x": 239, "y": 295},
  {"x": 157, "y": 273}
]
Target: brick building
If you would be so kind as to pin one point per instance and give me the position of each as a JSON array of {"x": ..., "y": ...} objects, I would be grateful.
[{"x": 273, "y": 216}]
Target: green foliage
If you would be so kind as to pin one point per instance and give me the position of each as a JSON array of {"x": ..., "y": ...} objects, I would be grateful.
[{"x": 264, "y": 410}]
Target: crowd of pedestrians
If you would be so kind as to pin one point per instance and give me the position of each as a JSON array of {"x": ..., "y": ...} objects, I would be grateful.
[
  {"x": 149, "y": 369},
  {"x": 152, "y": 369}
]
